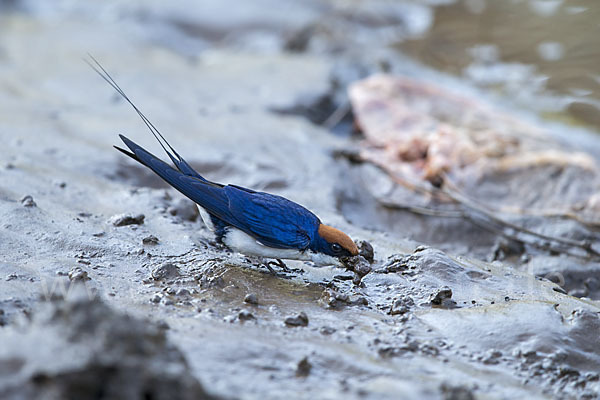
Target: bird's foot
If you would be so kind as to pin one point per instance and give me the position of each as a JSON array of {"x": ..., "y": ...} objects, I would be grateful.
[
  {"x": 271, "y": 270},
  {"x": 280, "y": 264}
]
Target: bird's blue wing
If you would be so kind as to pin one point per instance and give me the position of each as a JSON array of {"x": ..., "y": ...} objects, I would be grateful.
[{"x": 272, "y": 220}]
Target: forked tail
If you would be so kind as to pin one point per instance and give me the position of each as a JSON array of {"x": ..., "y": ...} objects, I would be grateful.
[{"x": 179, "y": 162}]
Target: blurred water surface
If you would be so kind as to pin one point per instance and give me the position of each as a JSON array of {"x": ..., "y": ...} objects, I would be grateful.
[{"x": 543, "y": 54}]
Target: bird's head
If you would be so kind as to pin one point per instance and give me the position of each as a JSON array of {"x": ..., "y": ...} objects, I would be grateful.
[{"x": 331, "y": 246}]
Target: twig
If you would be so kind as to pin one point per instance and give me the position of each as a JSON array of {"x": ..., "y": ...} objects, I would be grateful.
[
  {"x": 485, "y": 218},
  {"x": 338, "y": 115}
]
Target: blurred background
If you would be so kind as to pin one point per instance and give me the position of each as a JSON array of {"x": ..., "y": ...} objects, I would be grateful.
[{"x": 541, "y": 55}]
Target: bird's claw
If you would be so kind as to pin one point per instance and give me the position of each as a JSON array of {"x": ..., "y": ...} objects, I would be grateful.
[
  {"x": 271, "y": 270},
  {"x": 281, "y": 265}
]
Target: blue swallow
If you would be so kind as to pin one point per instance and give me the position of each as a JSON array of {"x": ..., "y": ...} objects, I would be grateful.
[{"x": 249, "y": 222}]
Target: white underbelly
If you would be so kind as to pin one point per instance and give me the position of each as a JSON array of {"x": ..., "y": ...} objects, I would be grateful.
[
  {"x": 206, "y": 218},
  {"x": 243, "y": 243}
]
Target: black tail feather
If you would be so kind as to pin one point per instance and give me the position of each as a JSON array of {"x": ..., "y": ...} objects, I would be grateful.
[
  {"x": 179, "y": 162},
  {"x": 207, "y": 194},
  {"x": 127, "y": 153}
]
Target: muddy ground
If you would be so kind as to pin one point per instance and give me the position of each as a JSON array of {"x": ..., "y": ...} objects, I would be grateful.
[{"x": 97, "y": 301}]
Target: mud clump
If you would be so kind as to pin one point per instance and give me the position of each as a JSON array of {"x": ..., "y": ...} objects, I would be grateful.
[
  {"x": 78, "y": 274},
  {"x": 299, "y": 320},
  {"x": 360, "y": 266},
  {"x": 401, "y": 305},
  {"x": 303, "y": 368},
  {"x": 403, "y": 264},
  {"x": 127, "y": 219},
  {"x": 366, "y": 250},
  {"x": 251, "y": 298},
  {"x": 246, "y": 316},
  {"x": 335, "y": 300},
  {"x": 165, "y": 271},
  {"x": 82, "y": 349},
  {"x": 442, "y": 296},
  {"x": 27, "y": 201},
  {"x": 150, "y": 240},
  {"x": 327, "y": 330}
]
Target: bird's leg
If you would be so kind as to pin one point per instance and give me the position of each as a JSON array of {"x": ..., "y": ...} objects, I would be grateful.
[
  {"x": 271, "y": 270},
  {"x": 283, "y": 266},
  {"x": 280, "y": 264}
]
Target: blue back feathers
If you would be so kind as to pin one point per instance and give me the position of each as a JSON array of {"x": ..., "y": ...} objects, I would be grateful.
[{"x": 273, "y": 220}]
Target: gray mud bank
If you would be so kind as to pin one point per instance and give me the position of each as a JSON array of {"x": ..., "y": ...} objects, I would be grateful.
[{"x": 111, "y": 287}]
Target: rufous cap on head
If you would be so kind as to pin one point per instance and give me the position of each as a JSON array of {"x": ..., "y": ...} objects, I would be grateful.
[{"x": 333, "y": 235}]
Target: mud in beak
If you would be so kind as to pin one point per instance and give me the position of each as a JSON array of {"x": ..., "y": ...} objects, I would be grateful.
[{"x": 357, "y": 264}]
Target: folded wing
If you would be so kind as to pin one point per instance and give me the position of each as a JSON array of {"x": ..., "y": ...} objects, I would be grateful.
[{"x": 273, "y": 220}]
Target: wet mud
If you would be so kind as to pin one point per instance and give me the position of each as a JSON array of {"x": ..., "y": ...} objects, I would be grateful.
[{"x": 106, "y": 272}]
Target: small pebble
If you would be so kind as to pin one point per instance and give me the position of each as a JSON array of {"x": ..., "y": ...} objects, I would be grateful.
[
  {"x": 245, "y": 315},
  {"x": 327, "y": 330},
  {"x": 169, "y": 290},
  {"x": 456, "y": 392},
  {"x": 150, "y": 240},
  {"x": 444, "y": 293},
  {"x": 27, "y": 201},
  {"x": 251, "y": 299},
  {"x": 360, "y": 266},
  {"x": 303, "y": 368},
  {"x": 156, "y": 298},
  {"x": 420, "y": 248},
  {"x": 401, "y": 305},
  {"x": 78, "y": 274},
  {"x": 167, "y": 270},
  {"x": 299, "y": 320},
  {"x": 127, "y": 219}
]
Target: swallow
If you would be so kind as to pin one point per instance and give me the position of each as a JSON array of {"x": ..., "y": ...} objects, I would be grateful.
[{"x": 246, "y": 221}]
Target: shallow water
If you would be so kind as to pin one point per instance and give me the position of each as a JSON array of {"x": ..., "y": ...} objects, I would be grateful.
[{"x": 542, "y": 55}]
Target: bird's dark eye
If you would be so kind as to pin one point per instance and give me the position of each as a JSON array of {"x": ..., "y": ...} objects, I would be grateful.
[{"x": 336, "y": 248}]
